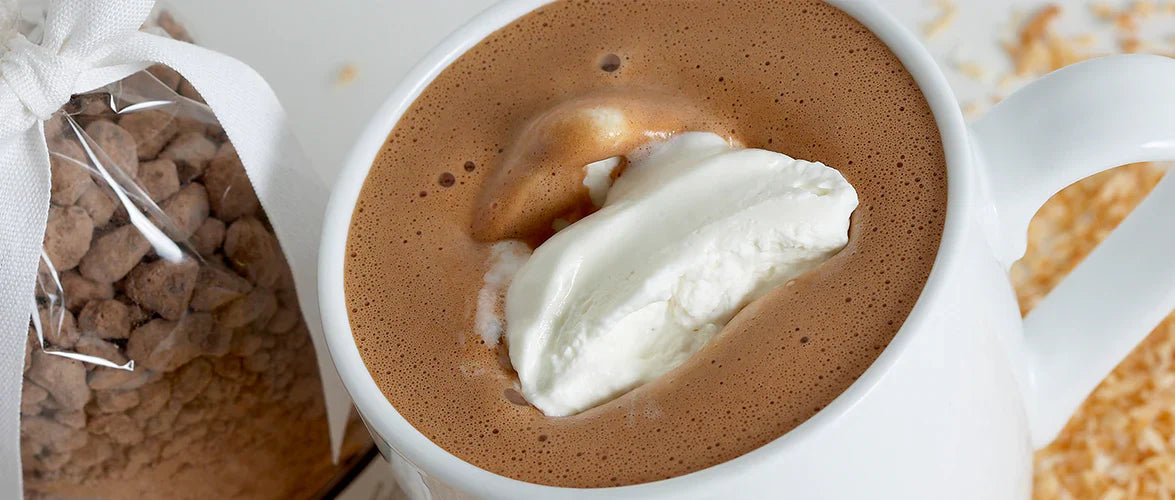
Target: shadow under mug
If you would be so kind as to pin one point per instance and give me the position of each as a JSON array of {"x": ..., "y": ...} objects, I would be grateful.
[{"x": 957, "y": 402}]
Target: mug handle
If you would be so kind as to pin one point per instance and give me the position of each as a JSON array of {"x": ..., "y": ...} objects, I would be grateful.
[{"x": 1070, "y": 124}]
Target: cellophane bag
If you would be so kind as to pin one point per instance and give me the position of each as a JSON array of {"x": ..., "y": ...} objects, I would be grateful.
[{"x": 169, "y": 357}]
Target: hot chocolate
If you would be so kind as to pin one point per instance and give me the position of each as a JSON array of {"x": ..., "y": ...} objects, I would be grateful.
[{"x": 465, "y": 168}]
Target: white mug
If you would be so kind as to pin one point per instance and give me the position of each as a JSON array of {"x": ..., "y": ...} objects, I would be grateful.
[{"x": 958, "y": 401}]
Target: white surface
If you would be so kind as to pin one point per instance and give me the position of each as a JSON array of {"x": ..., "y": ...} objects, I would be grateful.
[
  {"x": 301, "y": 46},
  {"x": 694, "y": 230}
]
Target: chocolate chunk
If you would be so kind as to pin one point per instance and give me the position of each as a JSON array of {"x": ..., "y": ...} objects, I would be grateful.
[
  {"x": 94, "y": 346},
  {"x": 59, "y": 327},
  {"x": 191, "y": 152},
  {"x": 187, "y": 209},
  {"x": 215, "y": 342},
  {"x": 97, "y": 451},
  {"x": 63, "y": 378},
  {"x": 208, "y": 237},
  {"x": 50, "y": 463},
  {"x": 54, "y": 436},
  {"x": 103, "y": 378},
  {"x": 187, "y": 90},
  {"x": 116, "y": 401},
  {"x": 192, "y": 414},
  {"x": 258, "y": 362},
  {"x": 283, "y": 321},
  {"x": 118, "y": 146},
  {"x": 246, "y": 344},
  {"x": 228, "y": 367},
  {"x": 114, "y": 254},
  {"x": 258, "y": 305},
  {"x": 68, "y": 232},
  {"x": 137, "y": 315},
  {"x": 79, "y": 291},
  {"x": 172, "y": 27},
  {"x": 164, "y": 420},
  {"x": 165, "y": 345},
  {"x": 142, "y": 455},
  {"x": 152, "y": 129},
  {"x": 163, "y": 287},
  {"x": 191, "y": 380},
  {"x": 170, "y": 78},
  {"x": 253, "y": 252},
  {"x": 98, "y": 203},
  {"x": 105, "y": 319},
  {"x": 183, "y": 440},
  {"x": 152, "y": 398},
  {"x": 31, "y": 396},
  {"x": 216, "y": 287},
  {"x": 69, "y": 171},
  {"x": 159, "y": 179},
  {"x": 118, "y": 427},
  {"x": 71, "y": 419},
  {"x": 193, "y": 125},
  {"x": 90, "y": 105},
  {"x": 229, "y": 191}
]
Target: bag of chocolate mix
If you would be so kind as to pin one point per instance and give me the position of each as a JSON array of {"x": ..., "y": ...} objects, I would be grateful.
[{"x": 168, "y": 356}]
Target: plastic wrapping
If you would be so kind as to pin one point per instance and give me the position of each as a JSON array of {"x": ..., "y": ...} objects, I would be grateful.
[{"x": 168, "y": 356}]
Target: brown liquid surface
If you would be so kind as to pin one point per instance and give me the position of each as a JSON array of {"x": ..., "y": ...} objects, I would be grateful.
[{"x": 464, "y": 166}]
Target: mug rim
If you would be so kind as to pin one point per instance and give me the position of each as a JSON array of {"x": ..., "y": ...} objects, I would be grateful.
[{"x": 410, "y": 444}]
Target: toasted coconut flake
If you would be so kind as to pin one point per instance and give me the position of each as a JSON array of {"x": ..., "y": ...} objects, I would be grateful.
[
  {"x": 1085, "y": 40},
  {"x": 1144, "y": 9},
  {"x": 346, "y": 75},
  {"x": 948, "y": 12},
  {"x": 1126, "y": 21},
  {"x": 1103, "y": 11},
  {"x": 973, "y": 70},
  {"x": 1039, "y": 24}
]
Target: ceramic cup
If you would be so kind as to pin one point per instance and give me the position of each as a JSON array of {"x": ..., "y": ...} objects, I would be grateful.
[{"x": 958, "y": 401}]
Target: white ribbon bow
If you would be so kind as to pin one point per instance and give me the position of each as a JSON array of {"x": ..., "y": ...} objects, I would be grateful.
[{"x": 88, "y": 44}]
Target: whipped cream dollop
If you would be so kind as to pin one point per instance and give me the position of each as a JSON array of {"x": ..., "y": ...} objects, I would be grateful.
[{"x": 693, "y": 231}]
